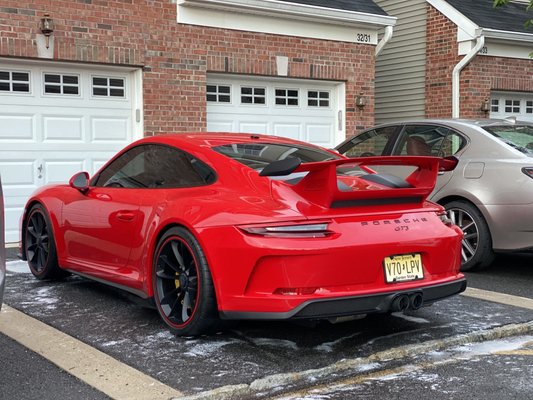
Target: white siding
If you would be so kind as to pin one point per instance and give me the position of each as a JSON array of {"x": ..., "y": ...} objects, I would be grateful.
[{"x": 401, "y": 67}]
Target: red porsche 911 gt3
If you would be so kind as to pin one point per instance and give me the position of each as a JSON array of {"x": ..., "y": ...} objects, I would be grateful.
[{"x": 235, "y": 226}]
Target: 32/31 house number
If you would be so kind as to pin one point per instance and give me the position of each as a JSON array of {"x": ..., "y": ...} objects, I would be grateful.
[{"x": 363, "y": 38}]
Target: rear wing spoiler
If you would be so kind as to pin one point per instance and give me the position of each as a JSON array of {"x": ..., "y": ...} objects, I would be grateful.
[{"x": 320, "y": 185}]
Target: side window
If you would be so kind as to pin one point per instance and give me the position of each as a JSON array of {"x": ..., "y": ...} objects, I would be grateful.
[
  {"x": 124, "y": 171},
  {"x": 429, "y": 140},
  {"x": 371, "y": 143},
  {"x": 156, "y": 166}
]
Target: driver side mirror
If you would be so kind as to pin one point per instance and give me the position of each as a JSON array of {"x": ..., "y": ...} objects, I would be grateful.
[{"x": 80, "y": 181}]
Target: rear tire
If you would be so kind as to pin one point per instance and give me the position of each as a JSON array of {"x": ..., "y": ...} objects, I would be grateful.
[
  {"x": 183, "y": 288},
  {"x": 39, "y": 245},
  {"x": 476, "y": 247}
]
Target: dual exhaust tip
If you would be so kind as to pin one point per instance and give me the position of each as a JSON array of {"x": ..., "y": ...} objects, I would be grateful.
[{"x": 404, "y": 302}]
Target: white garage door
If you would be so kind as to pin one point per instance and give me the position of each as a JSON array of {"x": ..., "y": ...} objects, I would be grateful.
[
  {"x": 56, "y": 120},
  {"x": 508, "y": 104},
  {"x": 310, "y": 111}
]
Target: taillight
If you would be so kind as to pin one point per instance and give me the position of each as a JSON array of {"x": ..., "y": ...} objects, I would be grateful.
[
  {"x": 293, "y": 230},
  {"x": 528, "y": 171},
  {"x": 443, "y": 216},
  {"x": 448, "y": 163}
]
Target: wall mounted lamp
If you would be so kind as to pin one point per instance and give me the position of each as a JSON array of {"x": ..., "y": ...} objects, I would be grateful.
[
  {"x": 485, "y": 106},
  {"x": 360, "y": 101},
  {"x": 47, "y": 28}
]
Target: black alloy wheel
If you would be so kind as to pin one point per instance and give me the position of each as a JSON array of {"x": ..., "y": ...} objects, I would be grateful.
[
  {"x": 183, "y": 289},
  {"x": 40, "y": 247},
  {"x": 476, "y": 246}
]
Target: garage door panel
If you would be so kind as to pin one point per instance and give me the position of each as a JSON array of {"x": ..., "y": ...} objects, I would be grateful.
[
  {"x": 249, "y": 127},
  {"x": 19, "y": 180},
  {"x": 60, "y": 171},
  {"x": 17, "y": 172},
  {"x": 63, "y": 129},
  {"x": 291, "y": 131},
  {"x": 109, "y": 129},
  {"x": 220, "y": 125},
  {"x": 17, "y": 127},
  {"x": 319, "y": 133},
  {"x": 11, "y": 219}
]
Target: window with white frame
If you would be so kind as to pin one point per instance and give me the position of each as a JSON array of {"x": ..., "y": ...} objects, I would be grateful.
[
  {"x": 512, "y": 106},
  {"x": 253, "y": 95},
  {"x": 286, "y": 97},
  {"x": 218, "y": 93},
  {"x": 495, "y": 105},
  {"x": 108, "y": 86},
  {"x": 317, "y": 98},
  {"x": 61, "y": 84},
  {"x": 13, "y": 81},
  {"x": 529, "y": 106}
]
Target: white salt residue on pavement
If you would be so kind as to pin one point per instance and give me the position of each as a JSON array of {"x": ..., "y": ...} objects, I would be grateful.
[
  {"x": 328, "y": 346},
  {"x": 410, "y": 318},
  {"x": 286, "y": 344},
  {"x": 207, "y": 348},
  {"x": 19, "y": 266},
  {"x": 43, "y": 295},
  {"x": 478, "y": 349}
]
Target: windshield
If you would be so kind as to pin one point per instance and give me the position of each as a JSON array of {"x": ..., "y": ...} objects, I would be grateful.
[
  {"x": 259, "y": 155},
  {"x": 519, "y": 137}
]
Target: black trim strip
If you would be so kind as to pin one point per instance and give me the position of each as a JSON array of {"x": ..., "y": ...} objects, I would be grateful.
[
  {"x": 379, "y": 303},
  {"x": 376, "y": 202},
  {"x": 136, "y": 292}
]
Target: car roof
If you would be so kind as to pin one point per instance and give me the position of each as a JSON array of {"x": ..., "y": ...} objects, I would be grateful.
[
  {"x": 460, "y": 121},
  {"x": 212, "y": 139}
]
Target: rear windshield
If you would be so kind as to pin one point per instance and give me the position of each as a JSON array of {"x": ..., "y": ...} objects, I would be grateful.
[
  {"x": 518, "y": 136},
  {"x": 259, "y": 155}
]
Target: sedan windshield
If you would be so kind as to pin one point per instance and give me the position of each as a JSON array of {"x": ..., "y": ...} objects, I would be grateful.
[{"x": 519, "y": 137}]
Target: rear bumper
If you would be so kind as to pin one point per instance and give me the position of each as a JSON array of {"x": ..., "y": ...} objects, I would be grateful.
[{"x": 346, "y": 306}]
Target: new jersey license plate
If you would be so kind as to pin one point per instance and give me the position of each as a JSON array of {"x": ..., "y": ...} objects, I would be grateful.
[{"x": 403, "y": 268}]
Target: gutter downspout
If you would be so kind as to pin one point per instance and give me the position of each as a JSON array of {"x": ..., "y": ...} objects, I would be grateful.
[
  {"x": 385, "y": 39},
  {"x": 480, "y": 42}
]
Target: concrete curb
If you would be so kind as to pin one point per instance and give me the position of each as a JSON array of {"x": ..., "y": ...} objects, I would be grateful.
[{"x": 272, "y": 384}]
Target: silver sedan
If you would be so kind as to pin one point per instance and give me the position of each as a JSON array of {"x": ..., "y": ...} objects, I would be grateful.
[{"x": 488, "y": 187}]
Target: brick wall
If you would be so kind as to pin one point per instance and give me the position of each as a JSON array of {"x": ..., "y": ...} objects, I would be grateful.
[
  {"x": 478, "y": 78},
  {"x": 441, "y": 57},
  {"x": 176, "y": 58}
]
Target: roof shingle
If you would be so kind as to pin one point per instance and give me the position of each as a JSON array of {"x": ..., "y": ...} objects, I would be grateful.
[
  {"x": 510, "y": 17},
  {"x": 363, "y": 6}
]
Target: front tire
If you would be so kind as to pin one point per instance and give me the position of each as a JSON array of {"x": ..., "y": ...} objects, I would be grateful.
[
  {"x": 183, "y": 289},
  {"x": 476, "y": 247},
  {"x": 39, "y": 245}
]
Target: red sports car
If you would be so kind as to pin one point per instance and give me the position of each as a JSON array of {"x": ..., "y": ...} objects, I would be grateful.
[{"x": 234, "y": 226}]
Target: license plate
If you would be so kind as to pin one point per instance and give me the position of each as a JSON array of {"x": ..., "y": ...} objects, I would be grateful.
[{"x": 402, "y": 268}]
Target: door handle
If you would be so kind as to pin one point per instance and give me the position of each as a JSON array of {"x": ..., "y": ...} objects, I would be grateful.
[{"x": 126, "y": 215}]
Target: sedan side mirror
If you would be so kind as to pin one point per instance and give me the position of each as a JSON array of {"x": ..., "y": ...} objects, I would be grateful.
[{"x": 80, "y": 181}]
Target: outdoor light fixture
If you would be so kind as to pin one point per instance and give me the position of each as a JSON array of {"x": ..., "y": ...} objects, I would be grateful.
[
  {"x": 360, "y": 101},
  {"x": 47, "y": 27},
  {"x": 485, "y": 106}
]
